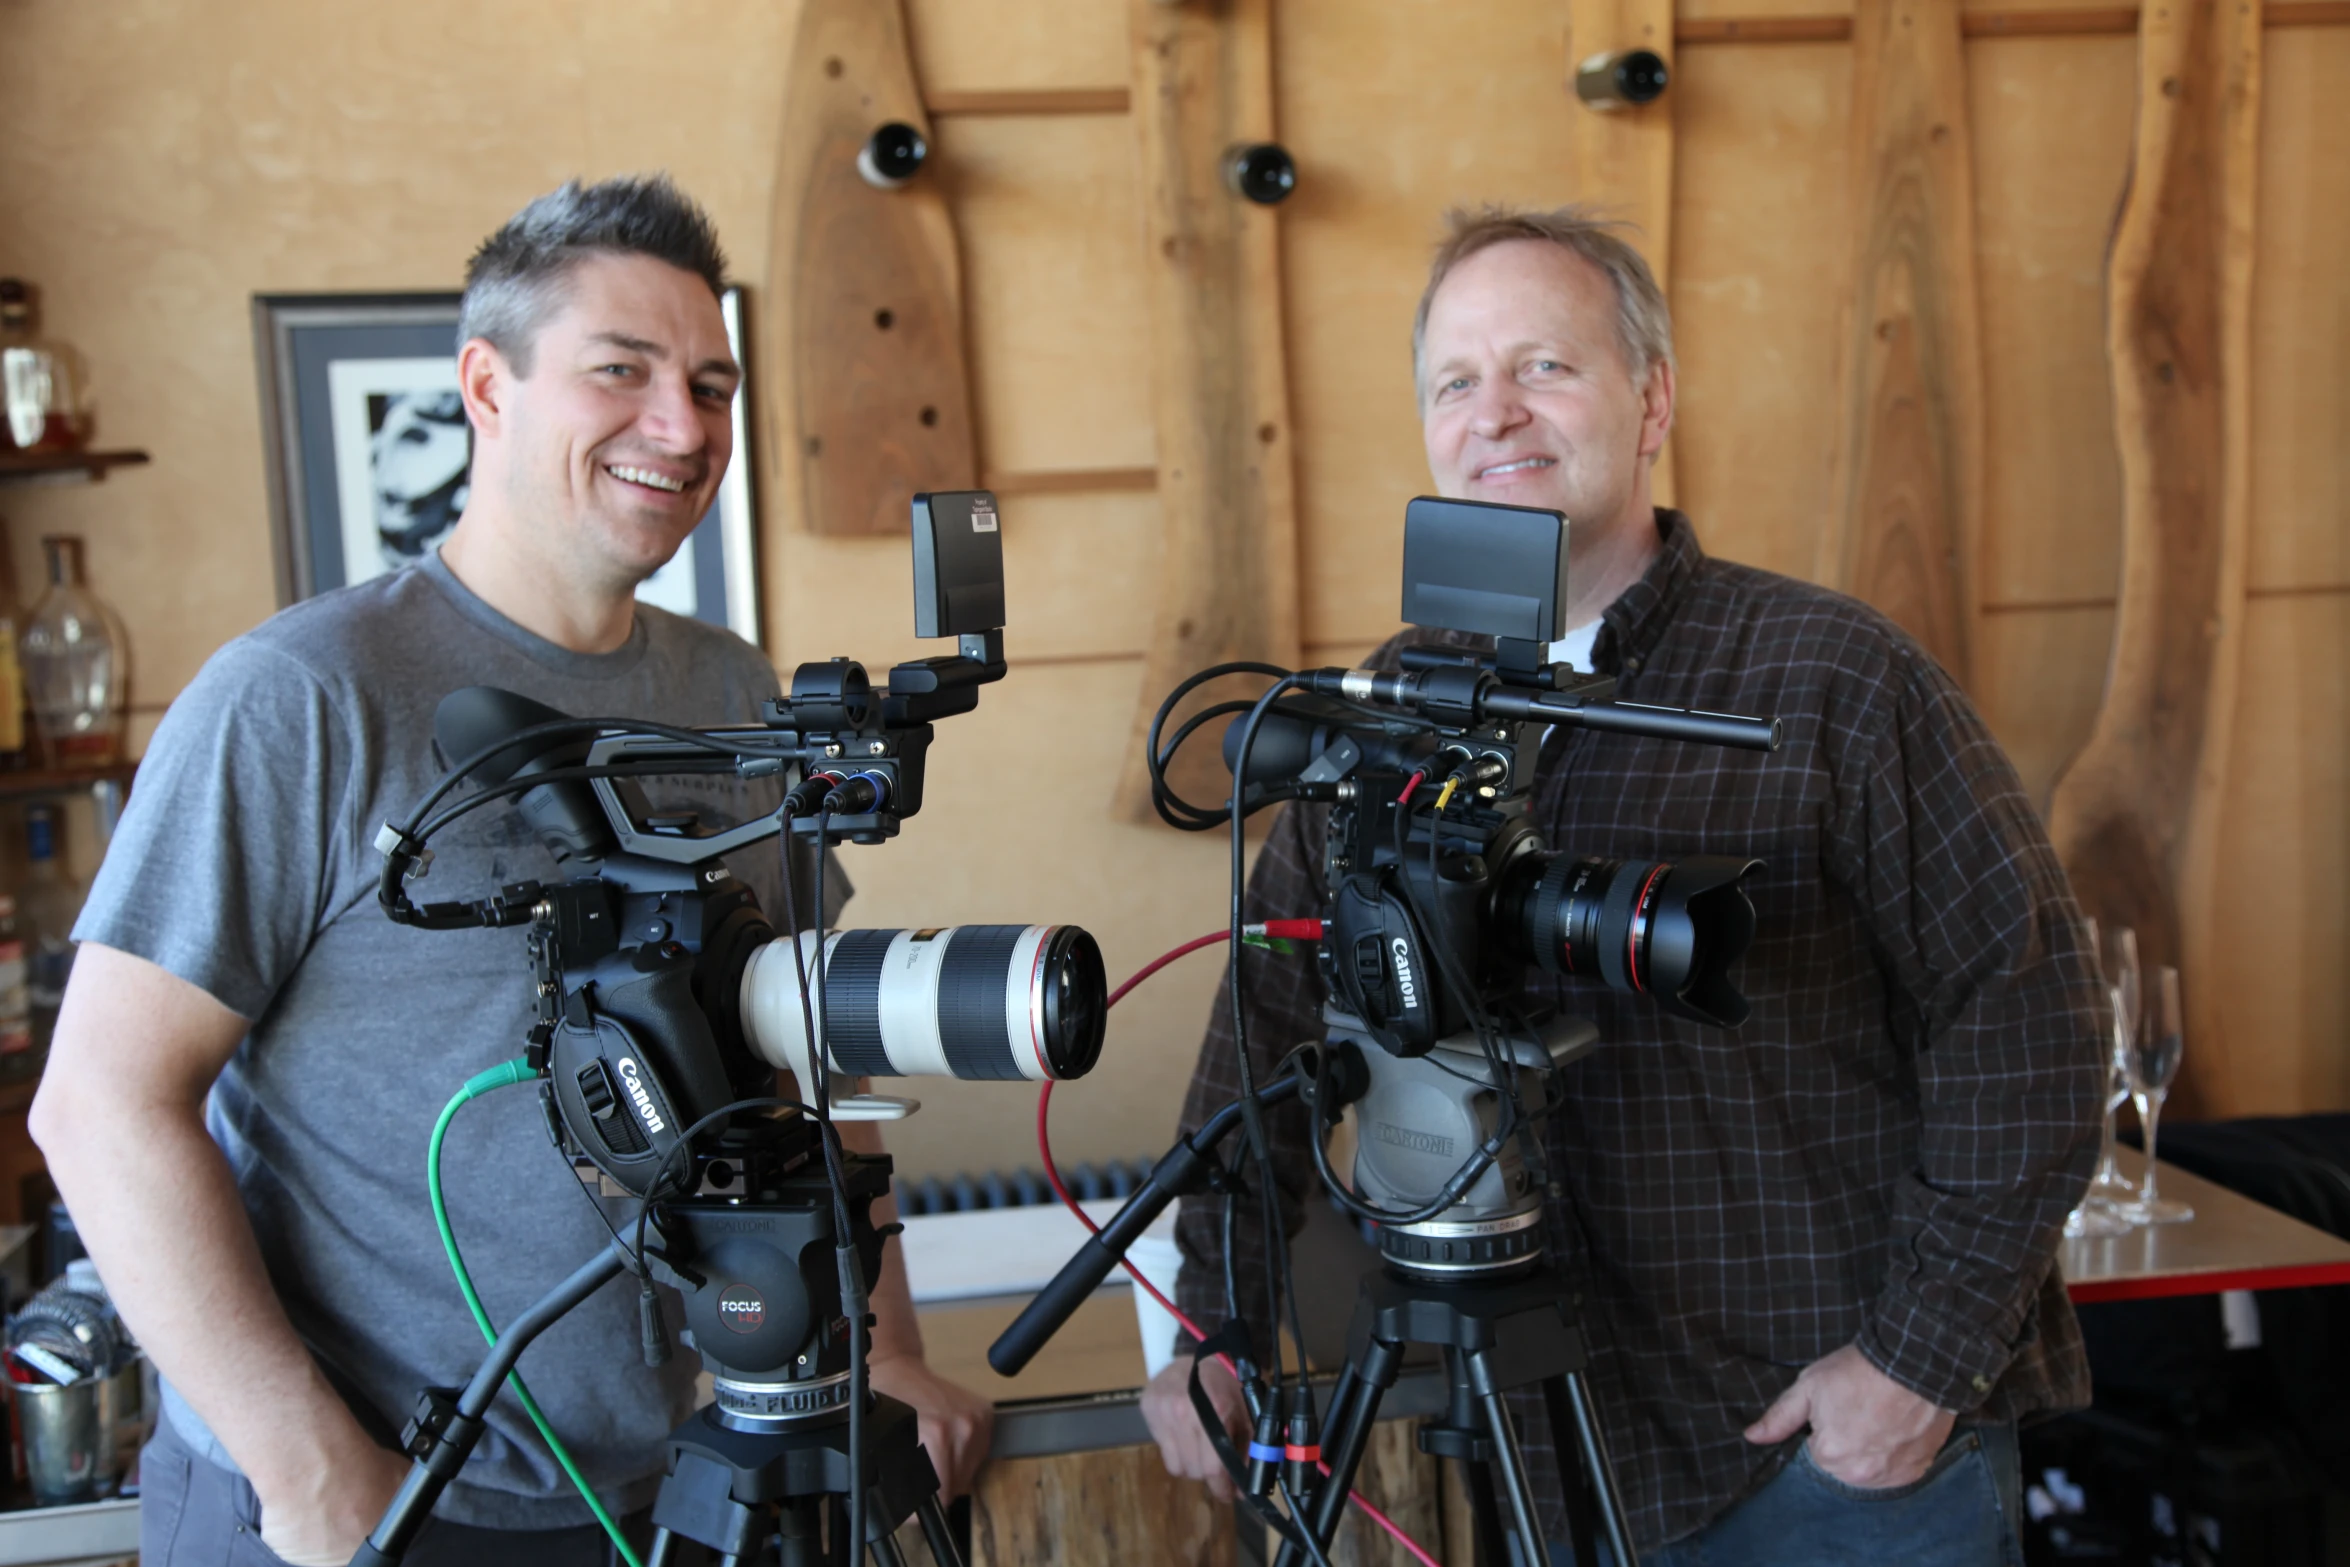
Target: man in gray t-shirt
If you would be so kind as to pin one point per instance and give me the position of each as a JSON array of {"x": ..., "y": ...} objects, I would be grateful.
[{"x": 250, "y": 1057}]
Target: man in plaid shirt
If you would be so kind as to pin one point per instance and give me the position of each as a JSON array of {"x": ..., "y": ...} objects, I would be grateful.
[{"x": 1815, "y": 1255}]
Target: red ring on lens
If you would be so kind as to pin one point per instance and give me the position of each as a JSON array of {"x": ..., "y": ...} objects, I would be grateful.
[{"x": 1639, "y": 928}]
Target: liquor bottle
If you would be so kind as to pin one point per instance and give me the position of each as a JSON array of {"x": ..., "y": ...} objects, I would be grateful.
[
  {"x": 15, "y": 738},
  {"x": 16, "y": 1017},
  {"x": 50, "y": 902},
  {"x": 71, "y": 651},
  {"x": 45, "y": 383}
]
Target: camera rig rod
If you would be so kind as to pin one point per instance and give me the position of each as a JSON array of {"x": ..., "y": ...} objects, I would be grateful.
[
  {"x": 1186, "y": 1168},
  {"x": 449, "y": 1422},
  {"x": 1464, "y": 694}
]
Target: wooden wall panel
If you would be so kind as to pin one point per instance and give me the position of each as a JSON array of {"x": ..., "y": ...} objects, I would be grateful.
[
  {"x": 1622, "y": 159},
  {"x": 1094, "y": 1509},
  {"x": 2301, "y": 317},
  {"x": 2039, "y": 676},
  {"x": 1907, "y": 514},
  {"x": 1054, "y": 289},
  {"x": 1760, "y": 251},
  {"x": 962, "y": 47},
  {"x": 2279, "y": 985},
  {"x": 2051, "y": 121},
  {"x": 2137, "y": 815},
  {"x": 1383, "y": 149}
]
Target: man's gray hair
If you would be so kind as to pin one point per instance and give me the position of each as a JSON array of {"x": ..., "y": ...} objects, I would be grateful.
[
  {"x": 1644, "y": 323},
  {"x": 518, "y": 276}
]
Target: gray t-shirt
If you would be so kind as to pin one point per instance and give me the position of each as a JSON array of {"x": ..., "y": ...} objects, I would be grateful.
[{"x": 246, "y": 865}]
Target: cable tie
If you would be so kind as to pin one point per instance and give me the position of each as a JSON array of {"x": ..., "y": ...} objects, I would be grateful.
[
  {"x": 1262, "y": 1453},
  {"x": 1297, "y": 1455}
]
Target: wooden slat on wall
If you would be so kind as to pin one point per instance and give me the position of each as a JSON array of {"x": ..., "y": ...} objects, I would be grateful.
[
  {"x": 2136, "y": 815},
  {"x": 875, "y": 404},
  {"x": 1227, "y": 578},
  {"x": 1622, "y": 159},
  {"x": 1910, "y": 444}
]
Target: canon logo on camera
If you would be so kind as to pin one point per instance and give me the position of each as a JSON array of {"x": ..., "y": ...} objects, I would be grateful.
[
  {"x": 1403, "y": 974},
  {"x": 742, "y": 1308}
]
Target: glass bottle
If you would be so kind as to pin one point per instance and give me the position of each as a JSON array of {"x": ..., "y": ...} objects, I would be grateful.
[
  {"x": 15, "y": 750},
  {"x": 45, "y": 383},
  {"x": 16, "y": 1017},
  {"x": 72, "y": 653},
  {"x": 48, "y": 905}
]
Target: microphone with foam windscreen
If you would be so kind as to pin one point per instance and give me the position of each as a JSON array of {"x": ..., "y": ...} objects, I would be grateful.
[{"x": 565, "y": 814}]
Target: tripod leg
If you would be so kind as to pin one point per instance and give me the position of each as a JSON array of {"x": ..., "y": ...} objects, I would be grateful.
[
  {"x": 1581, "y": 1528},
  {"x": 1602, "y": 1470},
  {"x": 1510, "y": 1461},
  {"x": 1354, "y": 1409},
  {"x": 935, "y": 1530},
  {"x": 1485, "y": 1514},
  {"x": 885, "y": 1552},
  {"x": 658, "y": 1556}
]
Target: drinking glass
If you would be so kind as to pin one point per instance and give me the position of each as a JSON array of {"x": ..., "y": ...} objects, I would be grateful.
[
  {"x": 2117, "y": 971},
  {"x": 2096, "y": 1217},
  {"x": 2154, "y": 1064}
]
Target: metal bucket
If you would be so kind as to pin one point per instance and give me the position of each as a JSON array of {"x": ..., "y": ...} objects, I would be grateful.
[{"x": 68, "y": 1449}]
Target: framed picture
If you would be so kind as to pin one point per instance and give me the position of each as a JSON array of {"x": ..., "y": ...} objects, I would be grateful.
[{"x": 369, "y": 452}]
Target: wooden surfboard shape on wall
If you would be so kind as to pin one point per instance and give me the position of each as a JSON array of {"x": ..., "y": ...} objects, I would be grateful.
[
  {"x": 1909, "y": 477},
  {"x": 2135, "y": 815},
  {"x": 876, "y": 402}
]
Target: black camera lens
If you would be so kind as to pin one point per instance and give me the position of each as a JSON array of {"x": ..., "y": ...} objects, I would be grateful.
[
  {"x": 997, "y": 1002},
  {"x": 892, "y": 155},
  {"x": 1624, "y": 78},
  {"x": 1263, "y": 173},
  {"x": 1669, "y": 930}
]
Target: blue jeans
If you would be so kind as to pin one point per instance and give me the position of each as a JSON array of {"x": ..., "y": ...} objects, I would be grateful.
[{"x": 1963, "y": 1512}]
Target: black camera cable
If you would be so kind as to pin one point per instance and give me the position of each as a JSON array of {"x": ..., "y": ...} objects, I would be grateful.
[{"x": 852, "y": 1283}]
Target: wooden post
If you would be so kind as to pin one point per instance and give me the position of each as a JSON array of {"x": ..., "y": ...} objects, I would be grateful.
[
  {"x": 2135, "y": 815},
  {"x": 874, "y": 403},
  {"x": 1909, "y": 489},
  {"x": 1227, "y": 579},
  {"x": 1623, "y": 158}
]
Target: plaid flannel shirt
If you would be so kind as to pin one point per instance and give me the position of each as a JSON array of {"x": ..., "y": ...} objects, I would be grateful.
[{"x": 1883, "y": 1154}]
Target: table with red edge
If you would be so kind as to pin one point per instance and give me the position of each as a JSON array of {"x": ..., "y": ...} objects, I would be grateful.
[{"x": 2232, "y": 1243}]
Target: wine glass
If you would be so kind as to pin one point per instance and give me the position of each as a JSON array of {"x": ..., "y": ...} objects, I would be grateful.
[
  {"x": 2110, "y": 1185},
  {"x": 2096, "y": 1217},
  {"x": 2154, "y": 1063}
]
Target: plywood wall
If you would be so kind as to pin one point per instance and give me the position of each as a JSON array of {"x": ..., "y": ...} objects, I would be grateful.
[{"x": 170, "y": 159}]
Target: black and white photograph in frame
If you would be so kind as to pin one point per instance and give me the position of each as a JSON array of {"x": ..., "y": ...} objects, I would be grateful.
[{"x": 369, "y": 452}]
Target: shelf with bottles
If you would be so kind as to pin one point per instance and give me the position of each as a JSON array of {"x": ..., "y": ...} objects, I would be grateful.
[{"x": 63, "y": 467}]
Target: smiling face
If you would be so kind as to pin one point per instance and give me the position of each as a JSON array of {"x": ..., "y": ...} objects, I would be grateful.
[
  {"x": 610, "y": 450},
  {"x": 1526, "y": 396}
]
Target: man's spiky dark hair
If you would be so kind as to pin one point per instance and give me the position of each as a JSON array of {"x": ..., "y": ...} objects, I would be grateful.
[{"x": 516, "y": 279}]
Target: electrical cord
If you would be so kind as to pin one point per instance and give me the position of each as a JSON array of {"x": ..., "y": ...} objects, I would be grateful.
[
  {"x": 1052, "y": 1173},
  {"x": 503, "y": 1075}
]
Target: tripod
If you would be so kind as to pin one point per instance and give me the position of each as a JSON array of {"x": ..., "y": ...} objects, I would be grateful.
[
  {"x": 1494, "y": 1335},
  {"x": 732, "y": 1488}
]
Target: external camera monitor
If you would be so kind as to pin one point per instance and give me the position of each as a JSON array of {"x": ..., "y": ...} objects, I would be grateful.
[
  {"x": 1500, "y": 571},
  {"x": 958, "y": 564}
]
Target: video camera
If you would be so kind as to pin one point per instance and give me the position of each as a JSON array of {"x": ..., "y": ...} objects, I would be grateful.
[
  {"x": 1441, "y": 894},
  {"x": 666, "y": 1003}
]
